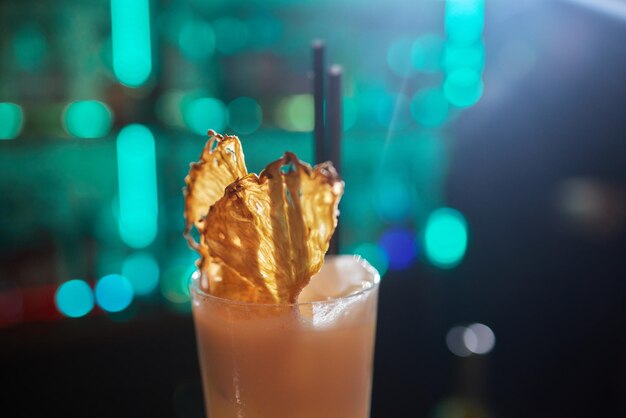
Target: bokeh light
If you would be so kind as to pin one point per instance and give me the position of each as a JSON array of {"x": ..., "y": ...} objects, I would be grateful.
[
  {"x": 136, "y": 165},
  {"x": 204, "y": 113},
  {"x": 374, "y": 255},
  {"x": 295, "y": 113},
  {"x": 445, "y": 237},
  {"x": 74, "y": 298},
  {"x": 429, "y": 107},
  {"x": 130, "y": 31},
  {"x": 455, "y": 340},
  {"x": 464, "y": 20},
  {"x": 196, "y": 39},
  {"x": 87, "y": 119},
  {"x": 114, "y": 293},
  {"x": 11, "y": 120},
  {"x": 142, "y": 270},
  {"x": 399, "y": 56},
  {"x": 231, "y": 35},
  {"x": 463, "y": 87},
  {"x": 426, "y": 53},
  {"x": 244, "y": 115},
  {"x": 479, "y": 338},
  {"x": 464, "y": 56},
  {"x": 400, "y": 247}
]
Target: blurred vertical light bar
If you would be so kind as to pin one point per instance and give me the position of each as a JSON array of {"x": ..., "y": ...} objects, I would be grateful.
[
  {"x": 136, "y": 165},
  {"x": 464, "y": 20},
  {"x": 11, "y": 120},
  {"x": 130, "y": 25},
  {"x": 464, "y": 52}
]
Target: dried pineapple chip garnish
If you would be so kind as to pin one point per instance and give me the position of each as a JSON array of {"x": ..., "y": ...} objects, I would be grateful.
[
  {"x": 267, "y": 235},
  {"x": 222, "y": 162}
]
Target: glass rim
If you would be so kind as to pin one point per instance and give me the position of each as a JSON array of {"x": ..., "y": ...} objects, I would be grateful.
[{"x": 372, "y": 272}]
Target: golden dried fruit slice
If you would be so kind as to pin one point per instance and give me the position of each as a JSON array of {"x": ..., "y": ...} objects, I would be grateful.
[
  {"x": 270, "y": 232},
  {"x": 222, "y": 162}
]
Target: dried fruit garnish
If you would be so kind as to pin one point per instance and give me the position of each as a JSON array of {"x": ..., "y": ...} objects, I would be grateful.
[{"x": 264, "y": 238}]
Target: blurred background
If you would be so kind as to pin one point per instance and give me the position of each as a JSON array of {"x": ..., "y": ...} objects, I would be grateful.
[{"x": 484, "y": 156}]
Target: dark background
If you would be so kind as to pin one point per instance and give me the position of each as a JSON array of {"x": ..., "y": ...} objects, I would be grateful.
[{"x": 537, "y": 167}]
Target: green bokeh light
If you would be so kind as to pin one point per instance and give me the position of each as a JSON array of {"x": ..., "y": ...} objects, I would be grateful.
[
  {"x": 29, "y": 47},
  {"x": 196, "y": 39},
  {"x": 11, "y": 120},
  {"x": 244, "y": 115},
  {"x": 87, "y": 119},
  {"x": 130, "y": 28},
  {"x": 136, "y": 162},
  {"x": 463, "y": 87},
  {"x": 426, "y": 53},
  {"x": 295, "y": 113},
  {"x": 205, "y": 113},
  {"x": 464, "y": 20},
  {"x": 445, "y": 237},
  {"x": 429, "y": 107},
  {"x": 374, "y": 255},
  {"x": 231, "y": 35},
  {"x": 464, "y": 56},
  {"x": 399, "y": 56}
]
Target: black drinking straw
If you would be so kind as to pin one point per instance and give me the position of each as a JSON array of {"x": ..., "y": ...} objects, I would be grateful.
[
  {"x": 318, "y": 99},
  {"x": 334, "y": 131}
]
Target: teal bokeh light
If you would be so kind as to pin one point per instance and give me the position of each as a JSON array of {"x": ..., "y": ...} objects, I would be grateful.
[
  {"x": 374, "y": 255},
  {"x": 470, "y": 57},
  {"x": 136, "y": 164},
  {"x": 244, "y": 115},
  {"x": 231, "y": 35},
  {"x": 130, "y": 31},
  {"x": 350, "y": 113},
  {"x": 114, "y": 293},
  {"x": 11, "y": 120},
  {"x": 429, "y": 107},
  {"x": 463, "y": 87},
  {"x": 74, "y": 298},
  {"x": 205, "y": 113},
  {"x": 464, "y": 21},
  {"x": 87, "y": 119},
  {"x": 142, "y": 270},
  {"x": 196, "y": 39},
  {"x": 445, "y": 237}
]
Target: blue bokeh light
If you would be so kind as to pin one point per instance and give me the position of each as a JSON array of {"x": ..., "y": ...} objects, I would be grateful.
[
  {"x": 400, "y": 247},
  {"x": 74, "y": 298},
  {"x": 114, "y": 293}
]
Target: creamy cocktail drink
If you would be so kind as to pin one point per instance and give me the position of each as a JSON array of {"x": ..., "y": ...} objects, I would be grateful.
[
  {"x": 281, "y": 333},
  {"x": 306, "y": 360}
]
